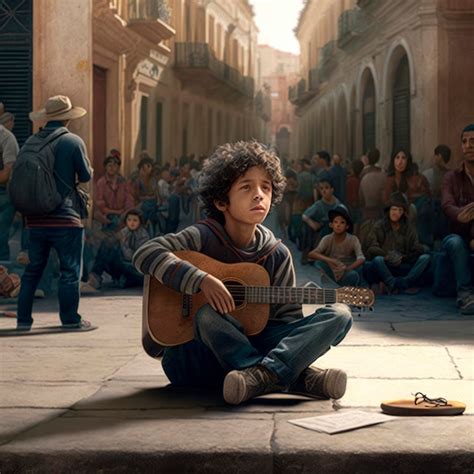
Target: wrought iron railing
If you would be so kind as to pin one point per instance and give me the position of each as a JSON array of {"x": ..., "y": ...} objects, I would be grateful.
[
  {"x": 327, "y": 51},
  {"x": 200, "y": 55},
  {"x": 149, "y": 10},
  {"x": 351, "y": 23}
]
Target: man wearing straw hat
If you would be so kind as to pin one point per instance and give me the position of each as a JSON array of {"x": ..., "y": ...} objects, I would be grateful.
[
  {"x": 8, "y": 154},
  {"x": 62, "y": 228}
]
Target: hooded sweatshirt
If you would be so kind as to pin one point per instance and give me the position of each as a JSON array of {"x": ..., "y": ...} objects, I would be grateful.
[{"x": 155, "y": 258}]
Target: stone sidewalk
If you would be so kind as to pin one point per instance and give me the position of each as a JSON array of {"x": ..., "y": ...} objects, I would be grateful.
[{"x": 94, "y": 402}]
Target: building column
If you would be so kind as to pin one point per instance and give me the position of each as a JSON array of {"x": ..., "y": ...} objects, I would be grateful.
[{"x": 63, "y": 43}]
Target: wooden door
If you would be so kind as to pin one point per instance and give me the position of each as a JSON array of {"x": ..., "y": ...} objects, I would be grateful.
[{"x": 99, "y": 121}]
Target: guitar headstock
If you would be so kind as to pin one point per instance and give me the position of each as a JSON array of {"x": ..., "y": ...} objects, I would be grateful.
[{"x": 352, "y": 296}]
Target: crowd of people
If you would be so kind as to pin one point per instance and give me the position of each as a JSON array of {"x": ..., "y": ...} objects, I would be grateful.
[{"x": 395, "y": 229}]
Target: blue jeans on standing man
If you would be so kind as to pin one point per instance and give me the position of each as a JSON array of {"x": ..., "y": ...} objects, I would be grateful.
[
  {"x": 7, "y": 213},
  {"x": 220, "y": 346},
  {"x": 68, "y": 243}
]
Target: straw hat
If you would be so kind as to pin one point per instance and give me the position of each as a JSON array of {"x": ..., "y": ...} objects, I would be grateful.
[{"x": 58, "y": 107}]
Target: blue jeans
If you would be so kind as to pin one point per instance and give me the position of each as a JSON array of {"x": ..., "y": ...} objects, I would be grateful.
[
  {"x": 424, "y": 225},
  {"x": 405, "y": 275},
  {"x": 453, "y": 268},
  {"x": 7, "y": 213},
  {"x": 350, "y": 278},
  {"x": 68, "y": 243},
  {"x": 110, "y": 259},
  {"x": 220, "y": 346}
]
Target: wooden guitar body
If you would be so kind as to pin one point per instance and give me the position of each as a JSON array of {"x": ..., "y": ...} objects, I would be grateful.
[{"x": 168, "y": 315}]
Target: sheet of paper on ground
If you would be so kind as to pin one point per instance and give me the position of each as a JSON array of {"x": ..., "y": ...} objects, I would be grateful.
[{"x": 342, "y": 421}]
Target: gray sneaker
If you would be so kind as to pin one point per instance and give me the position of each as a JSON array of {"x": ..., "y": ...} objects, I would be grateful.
[
  {"x": 467, "y": 306},
  {"x": 320, "y": 383},
  {"x": 242, "y": 385}
]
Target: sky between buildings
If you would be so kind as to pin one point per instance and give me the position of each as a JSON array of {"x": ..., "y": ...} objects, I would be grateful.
[{"x": 276, "y": 20}]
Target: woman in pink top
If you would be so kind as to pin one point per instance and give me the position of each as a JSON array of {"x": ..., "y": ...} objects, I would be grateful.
[{"x": 112, "y": 195}]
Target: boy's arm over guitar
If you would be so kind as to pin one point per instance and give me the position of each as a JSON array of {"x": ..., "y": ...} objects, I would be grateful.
[{"x": 156, "y": 258}]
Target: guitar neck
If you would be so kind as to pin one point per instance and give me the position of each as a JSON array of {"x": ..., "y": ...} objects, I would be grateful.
[{"x": 287, "y": 294}]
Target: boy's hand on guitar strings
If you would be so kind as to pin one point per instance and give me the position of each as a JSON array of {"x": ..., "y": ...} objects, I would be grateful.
[{"x": 217, "y": 294}]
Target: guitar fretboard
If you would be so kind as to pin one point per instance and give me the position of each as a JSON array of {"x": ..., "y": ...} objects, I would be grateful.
[{"x": 283, "y": 294}]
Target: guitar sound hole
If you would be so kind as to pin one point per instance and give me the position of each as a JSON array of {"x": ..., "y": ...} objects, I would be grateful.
[{"x": 237, "y": 290}]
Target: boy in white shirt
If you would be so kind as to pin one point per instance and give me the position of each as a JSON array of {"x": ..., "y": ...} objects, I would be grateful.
[{"x": 339, "y": 254}]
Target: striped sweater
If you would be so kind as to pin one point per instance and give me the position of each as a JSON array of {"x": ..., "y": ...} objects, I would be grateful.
[{"x": 209, "y": 237}]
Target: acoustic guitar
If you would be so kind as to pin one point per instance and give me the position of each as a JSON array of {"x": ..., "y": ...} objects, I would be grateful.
[{"x": 168, "y": 315}]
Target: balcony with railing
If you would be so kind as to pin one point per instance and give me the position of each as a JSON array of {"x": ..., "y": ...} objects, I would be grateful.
[
  {"x": 300, "y": 93},
  {"x": 366, "y": 3},
  {"x": 196, "y": 62},
  {"x": 351, "y": 24},
  {"x": 150, "y": 18},
  {"x": 327, "y": 61}
]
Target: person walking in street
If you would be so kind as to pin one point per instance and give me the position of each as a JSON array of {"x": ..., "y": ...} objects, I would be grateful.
[
  {"x": 61, "y": 228},
  {"x": 240, "y": 183},
  {"x": 456, "y": 263},
  {"x": 8, "y": 154}
]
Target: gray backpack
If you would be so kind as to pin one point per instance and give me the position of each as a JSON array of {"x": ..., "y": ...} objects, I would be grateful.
[{"x": 32, "y": 187}]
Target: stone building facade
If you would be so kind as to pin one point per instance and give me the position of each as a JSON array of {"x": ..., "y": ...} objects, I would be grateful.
[
  {"x": 384, "y": 73},
  {"x": 104, "y": 54},
  {"x": 208, "y": 93},
  {"x": 279, "y": 69}
]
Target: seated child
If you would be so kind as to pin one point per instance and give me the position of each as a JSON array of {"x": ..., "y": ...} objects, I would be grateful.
[
  {"x": 315, "y": 218},
  {"x": 397, "y": 258},
  {"x": 239, "y": 185},
  {"x": 339, "y": 254},
  {"x": 115, "y": 254}
]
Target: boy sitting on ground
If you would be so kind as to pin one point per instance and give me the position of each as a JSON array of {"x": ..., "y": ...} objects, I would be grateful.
[
  {"x": 339, "y": 255},
  {"x": 315, "y": 218},
  {"x": 398, "y": 259},
  {"x": 239, "y": 184},
  {"x": 115, "y": 254}
]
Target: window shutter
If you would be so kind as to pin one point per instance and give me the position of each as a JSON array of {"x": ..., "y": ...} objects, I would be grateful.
[{"x": 16, "y": 63}]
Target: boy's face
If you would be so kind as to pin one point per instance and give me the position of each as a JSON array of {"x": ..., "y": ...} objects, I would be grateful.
[
  {"x": 133, "y": 222},
  {"x": 338, "y": 225},
  {"x": 111, "y": 168},
  {"x": 326, "y": 190},
  {"x": 396, "y": 213},
  {"x": 250, "y": 198}
]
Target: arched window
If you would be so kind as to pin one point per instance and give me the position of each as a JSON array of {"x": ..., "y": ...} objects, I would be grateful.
[
  {"x": 401, "y": 106},
  {"x": 368, "y": 115}
]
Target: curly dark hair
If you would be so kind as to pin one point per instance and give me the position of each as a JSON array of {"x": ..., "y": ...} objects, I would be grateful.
[{"x": 227, "y": 164}]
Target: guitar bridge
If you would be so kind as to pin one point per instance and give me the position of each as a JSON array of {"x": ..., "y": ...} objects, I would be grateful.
[{"x": 186, "y": 306}]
